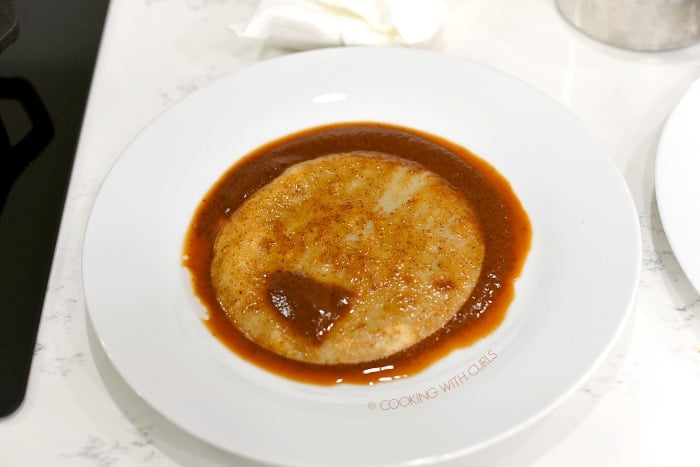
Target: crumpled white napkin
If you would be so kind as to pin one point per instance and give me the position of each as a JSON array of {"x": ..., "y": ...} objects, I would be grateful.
[{"x": 305, "y": 24}]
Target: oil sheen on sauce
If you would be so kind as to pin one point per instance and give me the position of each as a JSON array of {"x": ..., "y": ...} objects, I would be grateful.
[{"x": 504, "y": 224}]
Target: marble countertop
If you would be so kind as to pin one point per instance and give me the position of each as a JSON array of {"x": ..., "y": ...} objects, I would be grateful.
[{"x": 640, "y": 408}]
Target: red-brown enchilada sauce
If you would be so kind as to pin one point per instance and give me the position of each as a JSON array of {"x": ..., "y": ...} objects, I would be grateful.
[{"x": 504, "y": 223}]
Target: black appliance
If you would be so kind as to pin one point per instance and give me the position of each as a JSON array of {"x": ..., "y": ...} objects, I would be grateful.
[{"x": 47, "y": 56}]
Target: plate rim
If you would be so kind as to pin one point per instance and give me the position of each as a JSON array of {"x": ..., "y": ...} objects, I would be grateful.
[{"x": 664, "y": 188}]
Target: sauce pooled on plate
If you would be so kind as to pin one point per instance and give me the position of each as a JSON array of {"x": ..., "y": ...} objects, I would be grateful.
[{"x": 356, "y": 252}]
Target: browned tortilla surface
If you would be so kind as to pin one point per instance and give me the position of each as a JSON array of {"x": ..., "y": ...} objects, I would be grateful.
[{"x": 398, "y": 243}]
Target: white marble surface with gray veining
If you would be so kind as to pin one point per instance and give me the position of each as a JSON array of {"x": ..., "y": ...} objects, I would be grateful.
[{"x": 640, "y": 408}]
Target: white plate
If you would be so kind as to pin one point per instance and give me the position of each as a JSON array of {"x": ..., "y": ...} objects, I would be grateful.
[
  {"x": 677, "y": 186},
  {"x": 573, "y": 295}
]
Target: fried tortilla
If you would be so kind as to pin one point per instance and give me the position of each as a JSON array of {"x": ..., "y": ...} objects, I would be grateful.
[{"x": 347, "y": 258}]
